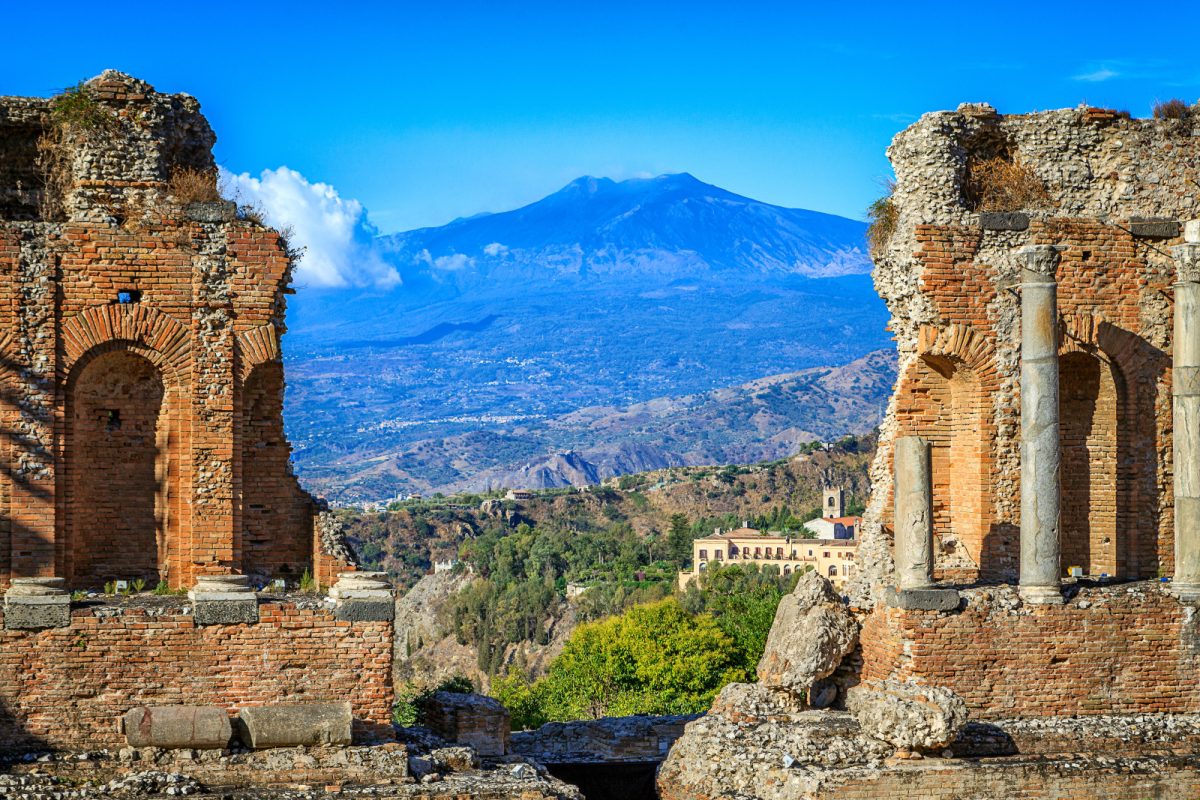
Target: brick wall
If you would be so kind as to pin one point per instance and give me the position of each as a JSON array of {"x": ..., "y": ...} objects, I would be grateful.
[
  {"x": 68, "y": 687},
  {"x": 1127, "y": 649}
]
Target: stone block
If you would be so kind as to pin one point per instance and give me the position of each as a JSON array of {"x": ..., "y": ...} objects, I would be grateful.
[
  {"x": 226, "y": 612},
  {"x": 37, "y": 613},
  {"x": 1003, "y": 221},
  {"x": 366, "y": 610},
  {"x": 224, "y": 600},
  {"x": 217, "y": 211},
  {"x": 1154, "y": 227},
  {"x": 295, "y": 725},
  {"x": 931, "y": 599},
  {"x": 172, "y": 727},
  {"x": 36, "y": 603},
  {"x": 1191, "y": 231}
]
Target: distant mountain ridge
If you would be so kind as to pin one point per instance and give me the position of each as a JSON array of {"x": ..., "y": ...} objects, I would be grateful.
[{"x": 668, "y": 225}]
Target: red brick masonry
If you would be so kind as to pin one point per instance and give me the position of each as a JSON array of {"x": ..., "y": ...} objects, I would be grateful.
[{"x": 68, "y": 687}]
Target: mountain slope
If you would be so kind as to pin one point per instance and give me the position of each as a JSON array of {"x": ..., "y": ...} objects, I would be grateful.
[{"x": 762, "y": 420}]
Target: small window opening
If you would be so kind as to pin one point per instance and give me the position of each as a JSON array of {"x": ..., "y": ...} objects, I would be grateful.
[
  {"x": 112, "y": 419},
  {"x": 127, "y": 296}
]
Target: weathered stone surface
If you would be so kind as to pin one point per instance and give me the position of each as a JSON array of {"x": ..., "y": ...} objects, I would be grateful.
[
  {"x": 28, "y": 615},
  {"x": 1154, "y": 228},
  {"x": 226, "y": 612},
  {"x": 813, "y": 632},
  {"x": 219, "y": 211},
  {"x": 366, "y": 610},
  {"x": 294, "y": 725},
  {"x": 170, "y": 727},
  {"x": 1003, "y": 221},
  {"x": 611, "y": 740},
  {"x": 908, "y": 716},
  {"x": 37, "y": 603},
  {"x": 453, "y": 759},
  {"x": 934, "y": 599}
]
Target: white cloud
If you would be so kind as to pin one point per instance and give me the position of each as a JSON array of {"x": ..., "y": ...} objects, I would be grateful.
[
  {"x": 450, "y": 263},
  {"x": 1098, "y": 75},
  {"x": 495, "y": 249},
  {"x": 339, "y": 241}
]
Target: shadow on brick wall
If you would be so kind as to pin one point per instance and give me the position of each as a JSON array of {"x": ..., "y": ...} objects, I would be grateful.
[{"x": 15, "y": 740}]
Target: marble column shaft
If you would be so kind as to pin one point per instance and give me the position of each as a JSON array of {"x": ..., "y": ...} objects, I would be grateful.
[
  {"x": 1041, "y": 454},
  {"x": 1185, "y": 389},
  {"x": 913, "y": 513}
]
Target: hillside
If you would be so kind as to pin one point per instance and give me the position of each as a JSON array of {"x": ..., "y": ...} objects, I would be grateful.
[
  {"x": 765, "y": 419},
  {"x": 612, "y": 540},
  {"x": 512, "y": 332}
]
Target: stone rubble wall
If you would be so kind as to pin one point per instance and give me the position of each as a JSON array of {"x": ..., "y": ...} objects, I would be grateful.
[{"x": 67, "y": 688}]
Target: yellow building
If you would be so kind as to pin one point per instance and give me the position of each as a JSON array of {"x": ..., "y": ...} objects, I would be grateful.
[{"x": 833, "y": 558}]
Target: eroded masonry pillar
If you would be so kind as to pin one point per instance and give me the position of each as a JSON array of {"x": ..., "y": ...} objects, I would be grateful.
[
  {"x": 914, "y": 514},
  {"x": 1185, "y": 388},
  {"x": 913, "y": 526},
  {"x": 1041, "y": 455}
]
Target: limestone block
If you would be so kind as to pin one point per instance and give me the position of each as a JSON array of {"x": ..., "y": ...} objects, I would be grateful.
[
  {"x": 1003, "y": 221},
  {"x": 908, "y": 716},
  {"x": 1154, "y": 228},
  {"x": 813, "y": 632},
  {"x": 363, "y": 597},
  {"x": 295, "y": 725},
  {"x": 37, "y": 603},
  {"x": 171, "y": 727},
  {"x": 224, "y": 600},
  {"x": 931, "y": 599}
]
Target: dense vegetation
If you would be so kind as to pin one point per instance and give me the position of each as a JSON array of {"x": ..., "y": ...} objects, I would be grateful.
[{"x": 670, "y": 656}]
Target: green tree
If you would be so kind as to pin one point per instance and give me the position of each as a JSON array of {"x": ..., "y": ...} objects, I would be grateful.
[
  {"x": 679, "y": 541},
  {"x": 653, "y": 659}
]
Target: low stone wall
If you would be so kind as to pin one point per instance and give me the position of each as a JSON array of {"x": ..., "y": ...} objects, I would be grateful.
[
  {"x": 1159, "y": 777},
  {"x": 1129, "y": 648},
  {"x": 613, "y": 740},
  {"x": 67, "y": 688}
]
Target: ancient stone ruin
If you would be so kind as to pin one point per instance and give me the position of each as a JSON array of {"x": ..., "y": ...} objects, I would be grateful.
[
  {"x": 1031, "y": 555},
  {"x": 139, "y": 344}
]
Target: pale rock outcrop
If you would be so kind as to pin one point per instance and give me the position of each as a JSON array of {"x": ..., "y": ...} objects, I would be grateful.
[
  {"x": 813, "y": 632},
  {"x": 906, "y": 715}
]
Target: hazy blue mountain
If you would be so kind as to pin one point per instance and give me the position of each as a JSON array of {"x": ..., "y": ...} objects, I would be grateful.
[
  {"x": 669, "y": 226},
  {"x": 603, "y": 294}
]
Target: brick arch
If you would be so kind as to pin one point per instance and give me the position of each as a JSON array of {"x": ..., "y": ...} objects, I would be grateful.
[
  {"x": 257, "y": 346},
  {"x": 150, "y": 333},
  {"x": 949, "y": 384},
  {"x": 104, "y": 346},
  {"x": 1111, "y": 505},
  {"x": 958, "y": 344}
]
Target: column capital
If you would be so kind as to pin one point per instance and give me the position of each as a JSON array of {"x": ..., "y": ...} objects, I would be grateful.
[
  {"x": 1040, "y": 259},
  {"x": 1187, "y": 262}
]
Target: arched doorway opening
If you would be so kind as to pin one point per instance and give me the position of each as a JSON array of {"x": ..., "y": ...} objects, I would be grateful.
[{"x": 116, "y": 470}]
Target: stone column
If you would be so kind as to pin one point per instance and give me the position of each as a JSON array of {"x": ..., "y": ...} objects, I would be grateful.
[
  {"x": 914, "y": 514},
  {"x": 1185, "y": 388},
  {"x": 1041, "y": 454},
  {"x": 913, "y": 524}
]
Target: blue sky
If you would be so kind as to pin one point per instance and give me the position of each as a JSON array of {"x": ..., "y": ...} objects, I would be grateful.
[{"x": 427, "y": 111}]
